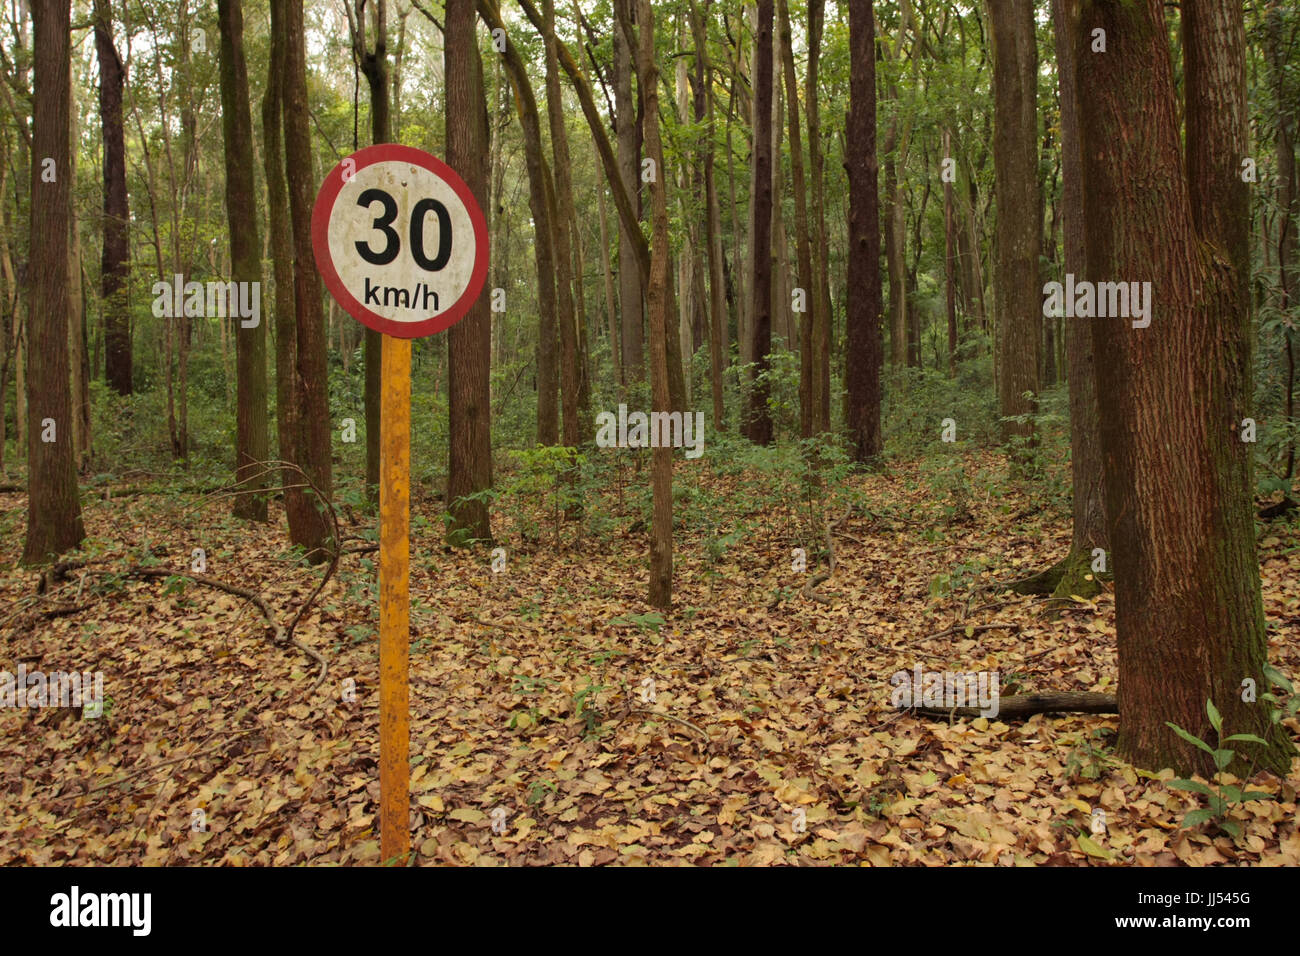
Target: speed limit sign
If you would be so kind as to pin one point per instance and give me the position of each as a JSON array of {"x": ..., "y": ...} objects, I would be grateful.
[
  {"x": 402, "y": 245},
  {"x": 400, "y": 241}
]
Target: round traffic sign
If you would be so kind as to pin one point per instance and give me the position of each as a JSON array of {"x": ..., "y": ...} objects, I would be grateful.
[{"x": 400, "y": 240}]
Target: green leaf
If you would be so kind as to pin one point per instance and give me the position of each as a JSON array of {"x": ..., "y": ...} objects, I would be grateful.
[
  {"x": 1216, "y": 721},
  {"x": 1232, "y": 793},
  {"x": 1197, "y": 817},
  {"x": 1090, "y": 847},
  {"x": 1232, "y": 828},
  {"x": 1194, "y": 741},
  {"x": 1249, "y": 738},
  {"x": 1256, "y": 795},
  {"x": 1277, "y": 678},
  {"x": 1194, "y": 786},
  {"x": 1224, "y": 757}
]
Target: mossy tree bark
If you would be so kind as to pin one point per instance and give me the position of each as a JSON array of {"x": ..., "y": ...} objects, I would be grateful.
[{"x": 1172, "y": 395}]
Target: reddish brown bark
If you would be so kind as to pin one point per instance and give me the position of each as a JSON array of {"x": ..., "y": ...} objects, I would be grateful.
[
  {"x": 53, "y": 507},
  {"x": 1188, "y": 609},
  {"x": 865, "y": 347},
  {"x": 308, "y": 524},
  {"x": 469, "y": 341}
]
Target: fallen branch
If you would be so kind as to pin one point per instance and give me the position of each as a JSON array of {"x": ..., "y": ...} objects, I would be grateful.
[
  {"x": 218, "y": 585},
  {"x": 1026, "y": 705},
  {"x": 167, "y": 763},
  {"x": 1272, "y": 511}
]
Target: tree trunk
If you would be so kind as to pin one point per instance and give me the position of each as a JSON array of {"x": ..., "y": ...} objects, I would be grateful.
[
  {"x": 469, "y": 342},
  {"x": 53, "y": 507},
  {"x": 539, "y": 202},
  {"x": 374, "y": 64},
  {"x": 78, "y": 360},
  {"x": 821, "y": 246},
  {"x": 308, "y": 526},
  {"x": 713, "y": 223},
  {"x": 895, "y": 240},
  {"x": 758, "y": 422},
  {"x": 659, "y": 296},
  {"x": 1188, "y": 609},
  {"x": 1085, "y": 440},
  {"x": 115, "y": 263},
  {"x": 251, "y": 443},
  {"x": 277, "y": 214},
  {"x": 1018, "y": 238},
  {"x": 950, "y": 260},
  {"x": 611, "y": 294},
  {"x": 809, "y": 378},
  {"x": 629, "y": 168},
  {"x": 561, "y": 225},
  {"x": 864, "y": 348},
  {"x": 1288, "y": 190}
]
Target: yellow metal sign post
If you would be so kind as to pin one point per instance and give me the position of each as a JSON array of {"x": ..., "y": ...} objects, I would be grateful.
[
  {"x": 402, "y": 244},
  {"x": 394, "y": 599}
]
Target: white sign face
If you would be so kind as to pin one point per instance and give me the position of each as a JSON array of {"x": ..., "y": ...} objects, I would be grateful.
[{"x": 400, "y": 241}]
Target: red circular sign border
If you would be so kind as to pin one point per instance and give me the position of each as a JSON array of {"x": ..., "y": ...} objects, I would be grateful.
[{"x": 320, "y": 221}]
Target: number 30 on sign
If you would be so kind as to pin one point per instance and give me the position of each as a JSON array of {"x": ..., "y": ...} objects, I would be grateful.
[{"x": 400, "y": 241}]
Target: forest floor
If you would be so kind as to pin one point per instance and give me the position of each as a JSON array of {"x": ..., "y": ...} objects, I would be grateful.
[{"x": 767, "y": 735}]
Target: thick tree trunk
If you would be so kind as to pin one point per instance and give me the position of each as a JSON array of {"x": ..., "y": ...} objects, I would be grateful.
[
  {"x": 308, "y": 525},
  {"x": 251, "y": 444},
  {"x": 115, "y": 262},
  {"x": 53, "y": 507},
  {"x": 758, "y": 421},
  {"x": 659, "y": 295},
  {"x": 1018, "y": 239},
  {"x": 865, "y": 348},
  {"x": 1188, "y": 610},
  {"x": 469, "y": 342}
]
